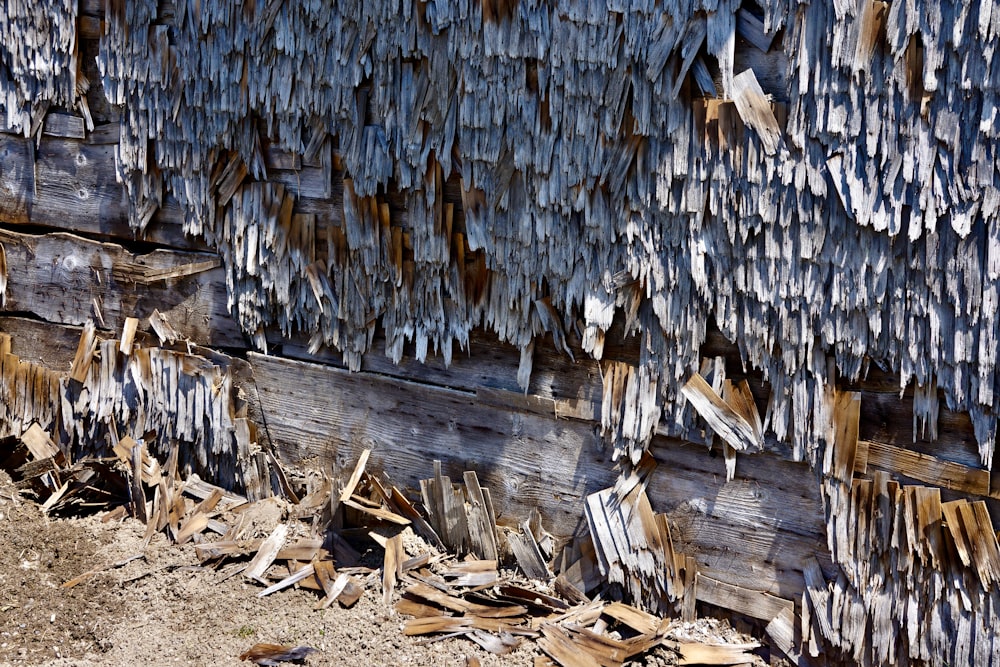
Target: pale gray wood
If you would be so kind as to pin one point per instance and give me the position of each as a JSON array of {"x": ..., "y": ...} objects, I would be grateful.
[{"x": 66, "y": 279}]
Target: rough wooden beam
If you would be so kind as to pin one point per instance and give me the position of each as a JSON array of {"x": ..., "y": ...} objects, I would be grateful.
[
  {"x": 71, "y": 184},
  {"x": 70, "y": 280},
  {"x": 934, "y": 471},
  {"x": 740, "y": 532}
]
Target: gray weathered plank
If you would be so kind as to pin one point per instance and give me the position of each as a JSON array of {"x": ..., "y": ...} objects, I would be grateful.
[
  {"x": 66, "y": 279},
  {"x": 319, "y": 416},
  {"x": 71, "y": 184}
]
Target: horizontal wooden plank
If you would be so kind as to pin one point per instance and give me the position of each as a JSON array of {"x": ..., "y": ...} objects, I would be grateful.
[
  {"x": 749, "y": 602},
  {"x": 322, "y": 416},
  {"x": 487, "y": 363},
  {"x": 887, "y": 418},
  {"x": 692, "y": 478},
  {"x": 66, "y": 279},
  {"x": 926, "y": 468},
  {"x": 64, "y": 125},
  {"x": 771, "y": 560},
  {"x": 71, "y": 185}
]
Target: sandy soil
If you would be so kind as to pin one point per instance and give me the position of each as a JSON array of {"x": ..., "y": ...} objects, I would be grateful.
[{"x": 162, "y": 608}]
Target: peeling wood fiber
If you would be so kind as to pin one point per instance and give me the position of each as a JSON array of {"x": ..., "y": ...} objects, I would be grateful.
[
  {"x": 428, "y": 169},
  {"x": 856, "y": 220}
]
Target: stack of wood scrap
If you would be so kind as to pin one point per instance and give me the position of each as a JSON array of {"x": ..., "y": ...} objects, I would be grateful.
[
  {"x": 42, "y": 470},
  {"x": 446, "y": 566},
  {"x": 501, "y": 615}
]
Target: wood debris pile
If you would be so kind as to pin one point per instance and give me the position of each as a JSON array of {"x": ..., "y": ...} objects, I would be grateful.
[
  {"x": 41, "y": 469},
  {"x": 447, "y": 565}
]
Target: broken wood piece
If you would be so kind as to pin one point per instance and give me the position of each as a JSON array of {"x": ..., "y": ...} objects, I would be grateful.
[
  {"x": 294, "y": 578},
  {"x": 210, "y": 550},
  {"x": 266, "y": 554},
  {"x": 927, "y": 468},
  {"x": 637, "y": 619},
  {"x": 528, "y": 554},
  {"x": 481, "y": 521},
  {"x": 473, "y": 574},
  {"x": 819, "y": 595},
  {"x": 716, "y": 654},
  {"x": 117, "y": 514},
  {"x": 304, "y": 549},
  {"x": 55, "y": 498},
  {"x": 431, "y": 625},
  {"x": 454, "y": 603},
  {"x": 559, "y": 646},
  {"x": 194, "y": 525},
  {"x": 150, "y": 275},
  {"x": 162, "y": 328},
  {"x": 379, "y": 513},
  {"x": 568, "y": 591},
  {"x": 579, "y": 567},
  {"x": 781, "y": 631},
  {"x": 409, "y": 606},
  {"x": 128, "y": 335},
  {"x": 415, "y": 562},
  {"x": 608, "y": 650},
  {"x": 352, "y": 483},
  {"x": 391, "y": 566},
  {"x": 446, "y": 507},
  {"x": 80, "y": 368},
  {"x": 740, "y": 399},
  {"x": 839, "y": 459},
  {"x": 352, "y": 592},
  {"x": 532, "y": 598},
  {"x": 634, "y": 549},
  {"x": 333, "y": 589},
  {"x": 405, "y": 508},
  {"x": 754, "y": 108},
  {"x": 198, "y": 488},
  {"x": 39, "y": 443},
  {"x": 725, "y": 421},
  {"x": 498, "y": 644},
  {"x": 208, "y": 504}
]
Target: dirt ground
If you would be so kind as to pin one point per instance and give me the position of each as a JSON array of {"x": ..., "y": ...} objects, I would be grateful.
[{"x": 161, "y": 608}]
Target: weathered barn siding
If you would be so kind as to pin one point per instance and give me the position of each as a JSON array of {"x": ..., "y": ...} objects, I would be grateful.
[
  {"x": 590, "y": 199},
  {"x": 587, "y": 160}
]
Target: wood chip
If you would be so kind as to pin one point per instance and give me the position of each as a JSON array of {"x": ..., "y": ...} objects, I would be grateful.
[{"x": 266, "y": 554}]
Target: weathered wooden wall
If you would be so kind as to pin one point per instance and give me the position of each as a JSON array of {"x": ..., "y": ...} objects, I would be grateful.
[
  {"x": 433, "y": 232},
  {"x": 752, "y": 537}
]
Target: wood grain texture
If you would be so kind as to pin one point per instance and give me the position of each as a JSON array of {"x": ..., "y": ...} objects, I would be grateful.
[
  {"x": 71, "y": 185},
  {"x": 740, "y": 531},
  {"x": 66, "y": 279}
]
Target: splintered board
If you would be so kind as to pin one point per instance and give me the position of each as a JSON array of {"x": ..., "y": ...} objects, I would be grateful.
[
  {"x": 70, "y": 184},
  {"x": 740, "y": 532},
  {"x": 67, "y": 279}
]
